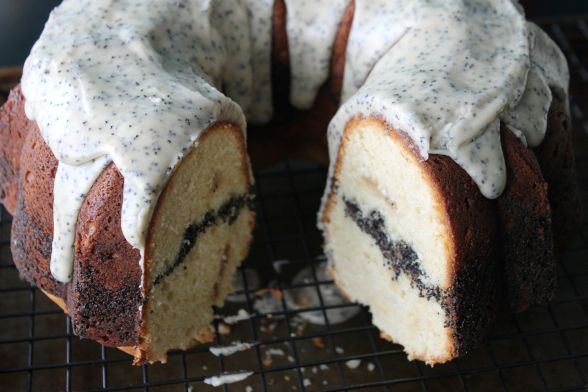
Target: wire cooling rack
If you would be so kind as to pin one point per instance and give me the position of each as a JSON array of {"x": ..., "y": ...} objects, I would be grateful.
[{"x": 544, "y": 348}]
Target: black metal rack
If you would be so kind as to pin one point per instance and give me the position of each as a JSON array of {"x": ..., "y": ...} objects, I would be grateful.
[{"x": 544, "y": 348}]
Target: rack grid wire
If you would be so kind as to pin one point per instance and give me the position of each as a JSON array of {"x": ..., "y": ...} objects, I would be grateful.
[{"x": 544, "y": 348}]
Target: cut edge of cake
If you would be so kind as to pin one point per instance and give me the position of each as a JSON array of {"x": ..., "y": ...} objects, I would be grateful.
[{"x": 430, "y": 288}]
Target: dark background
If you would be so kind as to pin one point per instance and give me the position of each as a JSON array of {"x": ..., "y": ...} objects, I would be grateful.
[{"x": 21, "y": 22}]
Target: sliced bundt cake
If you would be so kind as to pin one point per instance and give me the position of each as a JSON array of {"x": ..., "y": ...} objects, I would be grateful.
[
  {"x": 436, "y": 201},
  {"x": 451, "y": 169}
]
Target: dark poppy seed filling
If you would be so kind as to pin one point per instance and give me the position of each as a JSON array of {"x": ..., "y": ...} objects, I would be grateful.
[
  {"x": 226, "y": 213},
  {"x": 400, "y": 257},
  {"x": 118, "y": 315}
]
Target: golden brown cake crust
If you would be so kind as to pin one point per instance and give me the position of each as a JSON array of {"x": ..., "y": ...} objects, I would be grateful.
[
  {"x": 14, "y": 127},
  {"x": 473, "y": 301},
  {"x": 556, "y": 159},
  {"x": 104, "y": 295},
  {"x": 32, "y": 225},
  {"x": 526, "y": 239}
]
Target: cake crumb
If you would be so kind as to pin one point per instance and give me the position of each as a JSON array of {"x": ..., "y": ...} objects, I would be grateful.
[
  {"x": 318, "y": 342},
  {"x": 224, "y": 329},
  {"x": 339, "y": 350},
  {"x": 233, "y": 348},
  {"x": 269, "y": 353},
  {"x": 267, "y": 361},
  {"x": 353, "y": 363},
  {"x": 324, "y": 367},
  {"x": 226, "y": 378},
  {"x": 248, "y": 388},
  {"x": 306, "y": 382},
  {"x": 371, "y": 367}
]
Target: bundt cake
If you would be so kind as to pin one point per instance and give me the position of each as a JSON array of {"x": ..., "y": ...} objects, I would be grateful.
[{"x": 446, "y": 124}]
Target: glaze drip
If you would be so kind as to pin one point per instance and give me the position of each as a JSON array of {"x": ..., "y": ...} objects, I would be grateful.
[
  {"x": 311, "y": 27},
  {"x": 66, "y": 207},
  {"x": 548, "y": 72}
]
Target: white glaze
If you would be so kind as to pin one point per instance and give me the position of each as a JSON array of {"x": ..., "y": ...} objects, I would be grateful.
[
  {"x": 549, "y": 71},
  {"x": 226, "y": 378},
  {"x": 135, "y": 82},
  {"x": 375, "y": 28},
  {"x": 311, "y": 27}
]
